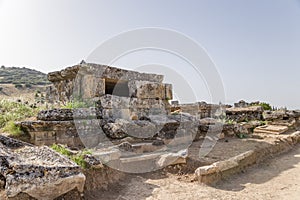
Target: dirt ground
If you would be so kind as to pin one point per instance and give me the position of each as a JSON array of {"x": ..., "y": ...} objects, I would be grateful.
[
  {"x": 277, "y": 178},
  {"x": 25, "y": 94}
]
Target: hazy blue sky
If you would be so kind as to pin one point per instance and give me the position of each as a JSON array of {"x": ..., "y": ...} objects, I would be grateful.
[{"x": 255, "y": 43}]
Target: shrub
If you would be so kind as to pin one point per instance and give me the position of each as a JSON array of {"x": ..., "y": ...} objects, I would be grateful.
[
  {"x": 11, "y": 128},
  {"x": 28, "y": 85},
  {"x": 18, "y": 86},
  {"x": 265, "y": 106}
]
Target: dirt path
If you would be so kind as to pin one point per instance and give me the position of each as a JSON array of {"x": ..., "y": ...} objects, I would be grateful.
[{"x": 277, "y": 178}]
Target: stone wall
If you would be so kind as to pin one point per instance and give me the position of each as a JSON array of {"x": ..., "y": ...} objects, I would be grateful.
[
  {"x": 201, "y": 109},
  {"x": 241, "y": 114},
  {"x": 93, "y": 80},
  {"x": 88, "y": 127}
]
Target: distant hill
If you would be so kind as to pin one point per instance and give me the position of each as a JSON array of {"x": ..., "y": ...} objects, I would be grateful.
[{"x": 22, "y": 75}]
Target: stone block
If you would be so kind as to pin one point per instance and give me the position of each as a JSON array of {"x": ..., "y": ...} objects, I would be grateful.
[
  {"x": 91, "y": 86},
  {"x": 271, "y": 129},
  {"x": 146, "y": 90},
  {"x": 46, "y": 135},
  {"x": 168, "y": 92}
]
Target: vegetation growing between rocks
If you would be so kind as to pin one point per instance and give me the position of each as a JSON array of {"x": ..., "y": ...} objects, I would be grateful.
[
  {"x": 78, "y": 158},
  {"x": 11, "y": 128}
]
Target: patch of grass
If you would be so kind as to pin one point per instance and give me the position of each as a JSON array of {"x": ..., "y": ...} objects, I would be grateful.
[
  {"x": 230, "y": 121},
  {"x": 76, "y": 104},
  {"x": 15, "y": 111},
  {"x": 262, "y": 123},
  {"x": 61, "y": 149},
  {"x": 77, "y": 158},
  {"x": 11, "y": 128}
]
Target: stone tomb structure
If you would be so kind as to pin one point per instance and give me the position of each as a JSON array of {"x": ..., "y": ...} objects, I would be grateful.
[
  {"x": 118, "y": 103},
  {"x": 121, "y": 104},
  {"x": 93, "y": 80},
  {"x": 126, "y": 111}
]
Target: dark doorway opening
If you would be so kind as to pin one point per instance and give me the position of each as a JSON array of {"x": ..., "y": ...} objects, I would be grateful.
[{"x": 117, "y": 87}]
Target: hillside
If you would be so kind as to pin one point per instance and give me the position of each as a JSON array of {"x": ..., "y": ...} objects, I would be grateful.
[
  {"x": 18, "y": 75},
  {"x": 24, "y": 84}
]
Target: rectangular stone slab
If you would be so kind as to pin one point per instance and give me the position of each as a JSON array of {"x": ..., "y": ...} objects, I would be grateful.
[{"x": 271, "y": 129}]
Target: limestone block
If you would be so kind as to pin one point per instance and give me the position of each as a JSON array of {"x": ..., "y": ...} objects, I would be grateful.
[
  {"x": 138, "y": 128},
  {"x": 116, "y": 113},
  {"x": 92, "y": 86},
  {"x": 168, "y": 92},
  {"x": 107, "y": 155},
  {"x": 271, "y": 129},
  {"x": 46, "y": 135},
  {"x": 172, "y": 158},
  {"x": 146, "y": 90},
  {"x": 39, "y": 172},
  {"x": 110, "y": 101}
]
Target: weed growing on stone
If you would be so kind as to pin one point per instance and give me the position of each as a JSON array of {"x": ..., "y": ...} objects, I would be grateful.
[{"x": 78, "y": 158}]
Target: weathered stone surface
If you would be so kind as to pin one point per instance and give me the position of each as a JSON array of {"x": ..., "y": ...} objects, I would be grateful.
[
  {"x": 91, "y": 86},
  {"x": 202, "y": 109},
  {"x": 150, "y": 90},
  {"x": 107, "y": 155},
  {"x": 67, "y": 114},
  {"x": 37, "y": 171},
  {"x": 122, "y": 128},
  {"x": 172, "y": 158},
  {"x": 90, "y": 80},
  {"x": 79, "y": 133},
  {"x": 274, "y": 115},
  {"x": 240, "y": 114},
  {"x": 212, "y": 173},
  {"x": 271, "y": 129},
  {"x": 104, "y": 71},
  {"x": 55, "y": 115},
  {"x": 115, "y": 130},
  {"x": 139, "y": 128},
  {"x": 111, "y": 102}
]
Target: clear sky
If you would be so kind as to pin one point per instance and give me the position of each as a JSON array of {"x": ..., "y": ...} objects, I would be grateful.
[{"x": 254, "y": 43}]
